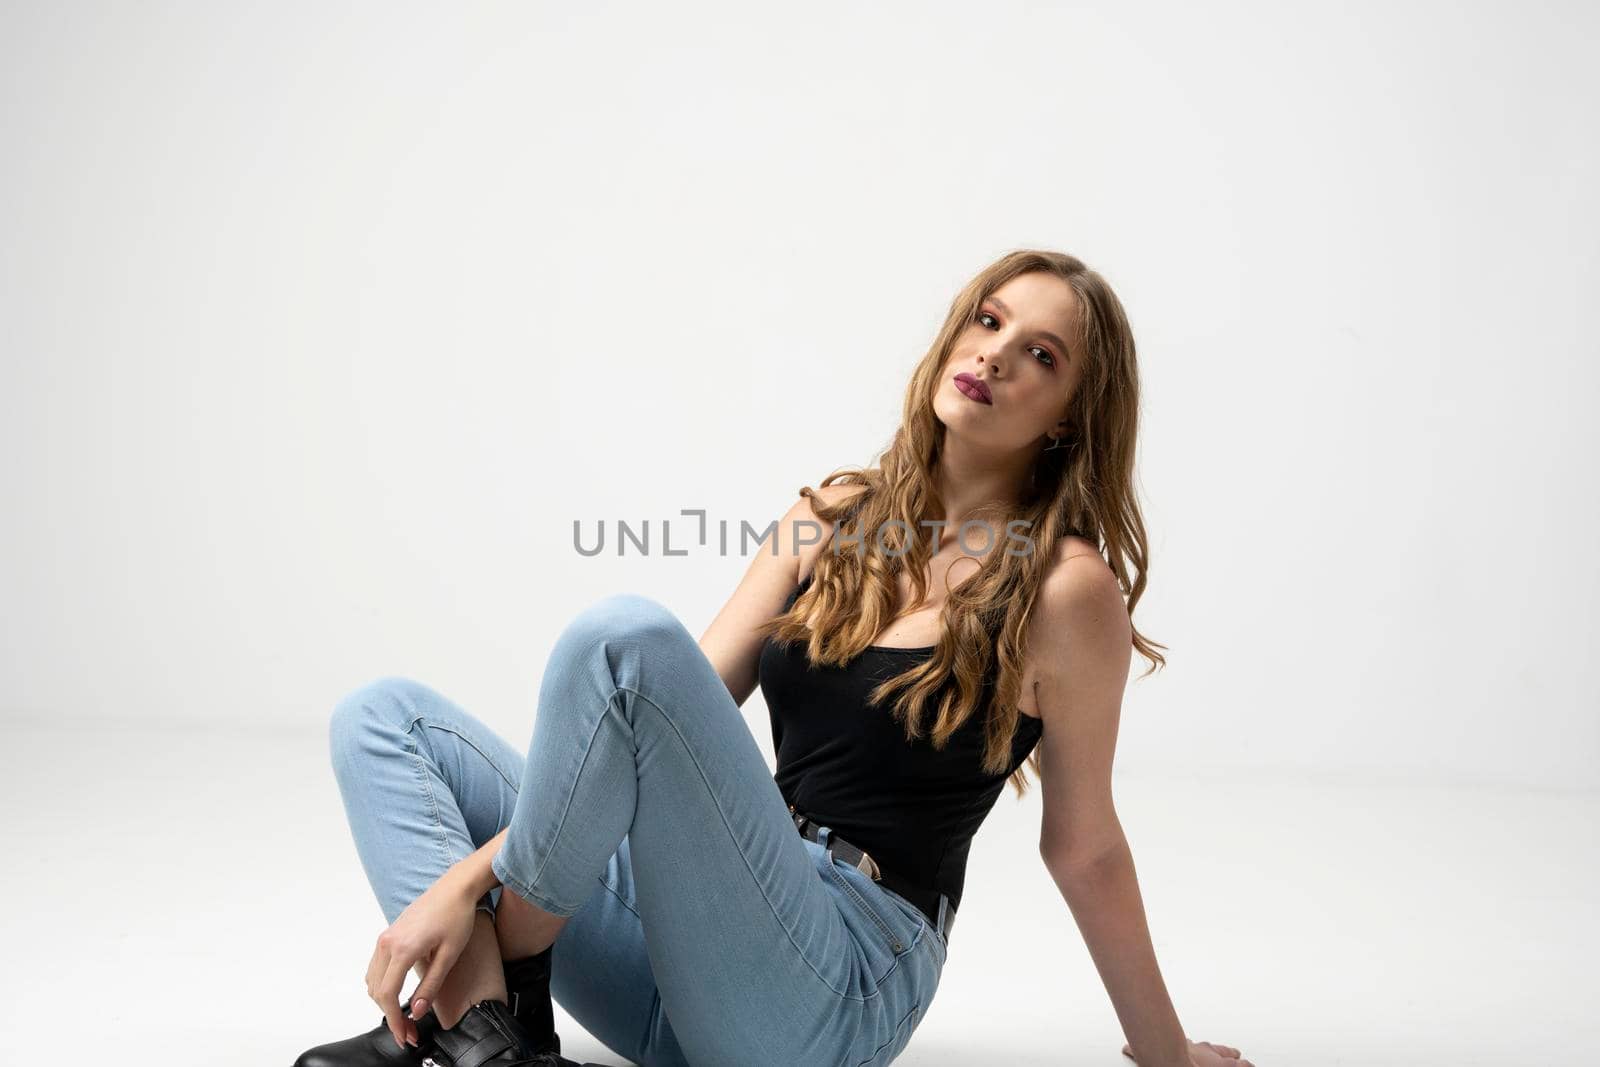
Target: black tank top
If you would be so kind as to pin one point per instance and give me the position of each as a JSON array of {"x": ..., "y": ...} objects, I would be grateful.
[{"x": 848, "y": 765}]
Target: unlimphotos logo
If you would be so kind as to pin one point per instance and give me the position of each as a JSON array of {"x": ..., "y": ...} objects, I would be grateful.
[{"x": 809, "y": 532}]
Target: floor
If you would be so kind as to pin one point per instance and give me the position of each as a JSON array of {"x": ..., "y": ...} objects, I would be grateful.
[{"x": 184, "y": 896}]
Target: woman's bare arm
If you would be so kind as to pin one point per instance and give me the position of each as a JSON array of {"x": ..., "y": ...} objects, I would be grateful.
[
  {"x": 731, "y": 642},
  {"x": 1078, "y": 657}
]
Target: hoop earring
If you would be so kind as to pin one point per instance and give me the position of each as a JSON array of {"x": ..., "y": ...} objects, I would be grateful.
[{"x": 1057, "y": 442}]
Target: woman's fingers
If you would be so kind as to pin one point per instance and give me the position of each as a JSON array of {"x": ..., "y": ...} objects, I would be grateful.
[
  {"x": 389, "y": 995},
  {"x": 1210, "y": 1054},
  {"x": 377, "y": 965},
  {"x": 1231, "y": 1057},
  {"x": 386, "y": 976},
  {"x": 432, "y": 979}
]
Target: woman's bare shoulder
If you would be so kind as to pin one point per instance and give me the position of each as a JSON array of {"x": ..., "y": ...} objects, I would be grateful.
[
  {"x": 1080, "y": 591},
  {"x": 1072, "y": 546}
]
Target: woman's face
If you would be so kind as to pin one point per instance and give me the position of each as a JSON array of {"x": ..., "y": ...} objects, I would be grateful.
[{"x": 1015, "y": 351}]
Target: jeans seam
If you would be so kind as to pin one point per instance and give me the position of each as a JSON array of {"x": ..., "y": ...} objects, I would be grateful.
[
  {"x": 447, "y": 728},
  {"x": 543, "y": 902},
  {"x": 787, "y": 933},
  {"x": 894, "y": 1035},
  {"x": 620, "y": 898},
  {"x": 413, "y": 716},
  {"x": 526, "y": 892},
  {"x": 421, "y": 767}
]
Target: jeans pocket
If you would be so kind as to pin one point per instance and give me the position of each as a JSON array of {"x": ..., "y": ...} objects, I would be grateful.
[{"x": 898, "y": 935}]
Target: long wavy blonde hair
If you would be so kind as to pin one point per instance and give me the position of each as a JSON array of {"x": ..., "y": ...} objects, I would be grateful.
[{"x": 1086, "y": 488}]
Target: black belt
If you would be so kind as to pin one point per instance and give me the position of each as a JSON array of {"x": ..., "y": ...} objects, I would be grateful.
[{"x": 926, "y": 900}]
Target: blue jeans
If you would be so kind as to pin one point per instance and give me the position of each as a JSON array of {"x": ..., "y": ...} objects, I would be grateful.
[{"x": 703, "y": 929}]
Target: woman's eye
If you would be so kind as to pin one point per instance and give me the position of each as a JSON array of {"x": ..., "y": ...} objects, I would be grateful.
[{"x": 1044, "y": 353}]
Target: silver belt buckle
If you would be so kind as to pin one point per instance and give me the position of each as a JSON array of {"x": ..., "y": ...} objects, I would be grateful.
[
  {"x": 865, "y": 864},
  {"x": 863, "y": 861}
]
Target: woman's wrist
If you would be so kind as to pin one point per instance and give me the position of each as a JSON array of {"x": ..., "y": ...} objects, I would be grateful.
[
  {"x": 1167, "y": 1056},
  {"x": 474, "y": 876}
]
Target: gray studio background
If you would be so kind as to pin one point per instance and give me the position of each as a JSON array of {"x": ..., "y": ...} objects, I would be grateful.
[{"x": 323, "y": 323}]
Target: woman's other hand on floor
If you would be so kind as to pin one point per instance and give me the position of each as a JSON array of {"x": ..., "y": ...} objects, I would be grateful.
[
  {"x": 432, "y": 931},
  {"x": 1207, "y": 1054}
]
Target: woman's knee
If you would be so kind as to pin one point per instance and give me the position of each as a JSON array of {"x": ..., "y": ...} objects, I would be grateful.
[
  {"x": 383, "y": 707},
  {"x": 624, "y": 620}
]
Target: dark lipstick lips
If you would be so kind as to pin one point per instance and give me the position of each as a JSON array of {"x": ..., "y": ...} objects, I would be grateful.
[{"x": 975, "y": 386}]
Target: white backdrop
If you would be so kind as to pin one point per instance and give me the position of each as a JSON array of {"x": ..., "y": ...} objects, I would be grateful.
[{"x": 322, "y": 323}]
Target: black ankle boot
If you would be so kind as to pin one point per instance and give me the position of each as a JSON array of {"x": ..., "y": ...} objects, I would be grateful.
[
  {"x": 528, "y": 994},
  {"x": 528, "y": 991},
  {"x": 488, "y": 1035},
  {"x": 528, "y": 997},
  {"x": 376, "y": 1047}
]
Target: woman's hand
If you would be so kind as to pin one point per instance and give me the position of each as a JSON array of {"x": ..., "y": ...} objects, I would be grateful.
[
  {"x": 1207, "y": 1054},
  {"x": 433, "y": 931}
]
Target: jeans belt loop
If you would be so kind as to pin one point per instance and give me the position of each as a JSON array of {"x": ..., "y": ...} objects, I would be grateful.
[{"x": 947, "y": 916}]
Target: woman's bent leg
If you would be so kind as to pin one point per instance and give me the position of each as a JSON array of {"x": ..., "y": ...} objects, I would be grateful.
[
  {"x": 756, "y": 961},
  {"x": 424, "y": 784}
]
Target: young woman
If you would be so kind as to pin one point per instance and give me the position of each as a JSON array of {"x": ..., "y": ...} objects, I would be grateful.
[{"x": 919, "y": 630}]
